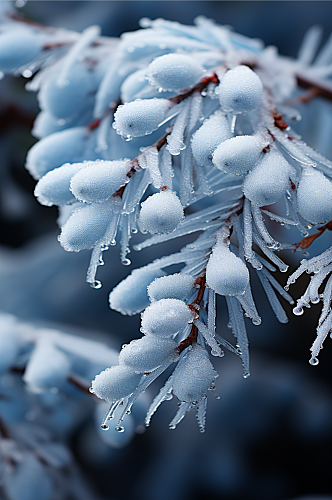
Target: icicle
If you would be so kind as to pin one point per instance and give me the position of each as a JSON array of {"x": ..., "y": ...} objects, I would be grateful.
[
  {"x": 166, "y": 167},
  {"x": 326, "y": 301},
  {"x": 310, "y": 44},
  {"x": 212, "y": 312},
  {"x": 180, "y": 414},
  {"x": 149, "y": 159},
  {"x": 239, "y": 331},
  {"x": 196, "y": 268},
  {"x": 247, "y": 226},
  {"x": 316, "y": 282},
  {"x": 125, "y": 237},
  {"x": 227, "y": 344},
  {"x": 110, "y": 414},
  {"x": 202, "y": 180},
  {"x": 265, "y": 263},
  {"x": 165, "y": 394},
  {"x": 249, "y": 307},
  {"x": 277, "y": 286},
  {"x": 269, "y": 253},
  {"x": 87, "y": 37},
  {"x": 195, "y": 111},
  {"x": 272, "y": 298},
  {"x": 282, "y": 220},
  {"x": 258, "y": 219},
  {"x": 186, "y": 180},
  {"x": 96, "y": 256},
  {"x": 201, "y": 414},
  {"x": 102, "y": 139},
  {"x": 175, "y": 142},
  {"x": 215, "y": 348},
  {"x": 136, "y": 187},
  {"x": 322, "y": 332},
  {"x": 325, "y": 54}
]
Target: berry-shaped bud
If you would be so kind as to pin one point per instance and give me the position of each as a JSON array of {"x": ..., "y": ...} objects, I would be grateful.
[
  {"x": 161, "y": 213},
  {"x": 115, "y": 383},
  {"x": 174, "y": 72},
  {"x": 17, "y": 48},
  {"x": 53, "y": 188},
  {"x": 147, "y": 353},
  {"x": 205, "y": 140},
  {"x": 314, "y": 196},
  {"x": 130, "y": 295},
  {"x": 140, "y": 117},
  {"x": 226, "y": 273},
  {"x": 269, "y": 180},
  {"x": 166, "y": 317},
  {"x": 99, "y": 180},
  {"x": 240, "y": 91},
  {"x": 194, "y": 376},
  {"x": 174, "y": 286},
  {"x": 239, "y": 154}
]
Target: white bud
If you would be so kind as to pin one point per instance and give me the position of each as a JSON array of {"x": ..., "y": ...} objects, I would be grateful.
[
  {"x": 240, "y": 90},
  {"x": 161, "y": 213},
  {"x": 173, "y": 286},
  {"x": 314, "y": 196},
  {"x": 53, "y": 188},
  {"x": 115, "y": 383},
  {"x": 174, "y": 72},
  {"x": 226, "y": 273},
  {"x": 239, "y": 154},
  {"x": 147, "y": 353},
  {"x": 166, "y": 317}
]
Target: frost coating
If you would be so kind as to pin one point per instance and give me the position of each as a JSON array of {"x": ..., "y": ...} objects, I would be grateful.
[
  {"x": 115, "y": 383},
  {"x": 130, "y": 295},
  {"x": 226, "y": 274},
  {"x": 314, "y": 196},
  {"x": 161, "y": 213},
  {"x": 140, "y": 117},
  {"x": 239, "y": 154},
  {"x": 205, "y": 140},
  {"x": 174, "y": 286},
  {"x": 268, "y": 181},
  {"x": 174, "y": 72},
  {"x": 99, "y": 179},
  {"x": 147, "y": 353},
  {"x": 53, "y": 188},
  {"x": 240, "y": 90},
  {"x": 194, "y": 376},
  {"x": 166, "y": 317},
  {"x": 17, "y": 48}
]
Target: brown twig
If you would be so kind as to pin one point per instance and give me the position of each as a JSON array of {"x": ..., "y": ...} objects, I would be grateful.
[
  {"x": 306, "y": 242},
  {"x": 315, "y": 86}
]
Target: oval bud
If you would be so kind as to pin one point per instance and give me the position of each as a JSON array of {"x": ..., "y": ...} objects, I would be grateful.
[
  {"x": 269, "y": 180},
  {"x": 53, "y": 188},
  {"x": 205, "y": 140},
  {"x": 314, "y": 196},
  {"x": 240, "y": 90},
  {"x": 174, "y": 72},
  {"x": 140, "y": 117},
  {"x": 161, "y": 213},
  {"x": 226, "y": 273},
  {"x": 194, "y": 375},
  {"x": 147, "y": 353},
  {"x": 173, "y": 286},
  {"x": 239, "y": 154},
  {"x": 166, "y": 317},
  {"x": 115, "y": 383}
]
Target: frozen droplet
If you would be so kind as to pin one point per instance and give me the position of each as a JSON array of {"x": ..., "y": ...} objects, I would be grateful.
[
  {"x": 104, "y": 427},
  {"x": 126, "y": 262},
  {"x": 96, "y": 284},
  {"x": 305, "y": 254},
  {"x": 27, "y": 73},
  {"x": 315, "y": 301},
  {"x": 119, "y": 428},
  {"x": 314, "y": 361},
  {"x": 246, "y": 374},
  {"x": 298, "y": 311},
  {"x": 172, "y": 427}
]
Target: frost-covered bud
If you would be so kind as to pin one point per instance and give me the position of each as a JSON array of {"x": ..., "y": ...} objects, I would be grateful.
[
  {"x": 174, "y": 72},
  {"x": 166, "y": 317},
  {"x": 140, "y": 117},
  {"x": 53, "y": 188},
  {"x": 226, "y": 273},
  {"x": 67, "y": 146},
  {"x": 130, "y": 296},
  {"x": 239, "y": 154},
  {"x": 314, "y": 196},
  {"x": 240, "y": 90},
  {"x": 268, "y": 181},
  {"x": 17, "y": 48},
  {"x": 87, "y": 227},
  {"x": 99, "y": 180},
  {"x": 147, "y": 353},
  {"x": 115, "y": 383},
  {"x": 205, "y": 140},
  {"x": 194, "y": 376},
  {"x": 48, "y": 367},
  {"x": 161, "y": 213},
  {"x": 174, "y": 286}
]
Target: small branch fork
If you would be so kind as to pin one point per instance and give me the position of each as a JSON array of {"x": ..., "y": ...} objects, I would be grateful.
[{"x": 306, "y": 242}]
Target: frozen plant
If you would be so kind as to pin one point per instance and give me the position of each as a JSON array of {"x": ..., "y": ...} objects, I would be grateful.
[{"x": 173, "y": 130}]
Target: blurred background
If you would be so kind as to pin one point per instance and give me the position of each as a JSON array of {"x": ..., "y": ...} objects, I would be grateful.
[{"x": 268, "y": 437}]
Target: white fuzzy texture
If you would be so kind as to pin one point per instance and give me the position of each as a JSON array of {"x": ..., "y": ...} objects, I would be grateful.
[
  {"x": 226, "y": 273},
  {"x": 130, "y": 295},
  {"x": 140, "y": 117},
  {"x": 115, "y": 383},
  {"x": 215, "y": 130},
  {"x": 53, "y": 187},
  {"x": 147, "y": 353},
  {"x": 161, "y": 213},
  {"x": 240, "y": 90},
  {"x": 166, "y": 317},
  {"x": 174, "y": 72},
  {"x": 314, "y": 196},
  {"x": 269, "y": 180},
  {"x": 99, "y": 180},
  {"x": 17, "y": 47},
  {"x": 173, "y": 286},
  {"x": 239, "y": 154},
  {"x": 194, "y": 376}
]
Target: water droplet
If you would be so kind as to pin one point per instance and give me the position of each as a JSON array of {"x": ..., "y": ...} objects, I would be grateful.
[
  {"x": 246, "y": 375},
  {"x": 126, "y": 262},
  {"x": 298, "y": 311},
  {"x": 101, "y": 262},
  {"x": 104, "y": 427},
  {"x": 171, "y": 427},
  {"x": 286, "y": 288},
  {"x": 96, "y": 284},
  {"x": 305, "y": 254},
  {"x": 304, "y": 234},
  {"x": 113, "y": 243},
  {"x": 134, "y": 230},
  {"x": 103, "y": 248},
  {"x": 127, "y": 138},
  {"x": 316, "y": 300},
  {"x": 119, "y": 428},
  {"x": 314, "y": 361},
  {"x": 257, "y": 321},
  {"x": 27, "y": 73},
  {"x": 91, "y": 390},
  {"x": 204, "y": 93}
]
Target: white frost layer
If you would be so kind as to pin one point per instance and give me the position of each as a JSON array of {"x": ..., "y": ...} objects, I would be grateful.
[
  {"x": 173, "y": 286},
  {"x": 166, "y": 317},
  {"x": 161, "y": 213},
  {"x": 147, "y": 353},
  {"x": 174, "y": 72},
  {"x": 314, "y": 196},
  {"x": 238, "y": 154},
  {"x": 115, "y": 383}
]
